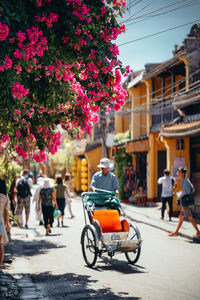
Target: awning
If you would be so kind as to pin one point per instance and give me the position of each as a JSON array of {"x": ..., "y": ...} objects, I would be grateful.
[
  {"x": 181, "y": 130},
  {"x": 137, "y": 146},
  {"x": 136, "y": 80}
]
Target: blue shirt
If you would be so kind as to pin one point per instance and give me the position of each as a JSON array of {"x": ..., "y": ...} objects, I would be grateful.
[
  {"x": 187, "y": 187},
  {"x": 108, "y": 182}
]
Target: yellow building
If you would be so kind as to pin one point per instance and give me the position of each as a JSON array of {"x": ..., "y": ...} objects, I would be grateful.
[{"x": 156, "y": 98}]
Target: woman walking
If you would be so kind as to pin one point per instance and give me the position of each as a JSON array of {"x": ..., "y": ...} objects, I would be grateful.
[
  {"x": 61, "y": 189},
  {"x": 70, "y": 190},
  {"x": 47, "y": 200},
  {"x": 4, "y": 219},
  {"x": 186, "y": 201}
]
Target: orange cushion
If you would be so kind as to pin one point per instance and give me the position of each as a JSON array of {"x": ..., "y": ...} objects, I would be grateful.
[{"x": 109, "y": 220}]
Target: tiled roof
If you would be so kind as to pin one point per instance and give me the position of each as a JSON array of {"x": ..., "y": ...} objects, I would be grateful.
[{"x": 181, "y": 129}]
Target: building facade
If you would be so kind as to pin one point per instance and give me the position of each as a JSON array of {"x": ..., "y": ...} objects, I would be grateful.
[{"x": 164, "y": 115}]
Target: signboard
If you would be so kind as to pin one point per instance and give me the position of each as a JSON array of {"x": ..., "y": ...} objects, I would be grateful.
[
  {"x": 178, "y": 162},
  {"x": 109, "y": 140}
]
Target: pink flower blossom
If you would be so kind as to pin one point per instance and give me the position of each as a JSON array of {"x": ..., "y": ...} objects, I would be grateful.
[
  {"x": 39, "y": 3},
  {"x": 39, "y": 129},
  {"x": 18, "y": 134},
  {"x": 4, "y": 32},
  {"x": 18, "y": 54},
  {"x": 21, "y": 36},
  {"x": 20, "y": 151},
  {"x": 18, "y": 68},
  {"x": 18, "y": 90},
  {"x": 94, "y": 118},
  {"x": 29, "y": 114},
  {"x": 11, "y": 40},
  {"x": 78, "y": 31},
  {"x": 7, "y": 64},
  {"x": 30, "y": 68},
  {"x": 65, "y": 39},
  {"x": 89, "y": 20},
  {"x": 39, "y": 156}
]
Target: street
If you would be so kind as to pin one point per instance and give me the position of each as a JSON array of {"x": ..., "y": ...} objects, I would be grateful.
[{"x": 168, "y": 268}]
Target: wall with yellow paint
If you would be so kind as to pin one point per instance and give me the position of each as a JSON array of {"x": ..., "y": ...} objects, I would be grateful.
[
  {"x": 122, "y": 122},
  {"x": 93, "y": 157},
  {"x": 138, "y": 120},
  {"x": 152, "y": 168}
]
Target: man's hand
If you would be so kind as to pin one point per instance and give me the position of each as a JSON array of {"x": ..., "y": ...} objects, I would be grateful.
[{"x": 93, "y": 188}]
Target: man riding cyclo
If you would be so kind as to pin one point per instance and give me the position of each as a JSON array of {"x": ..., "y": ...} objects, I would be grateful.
[{"x": 105, "y": 179}]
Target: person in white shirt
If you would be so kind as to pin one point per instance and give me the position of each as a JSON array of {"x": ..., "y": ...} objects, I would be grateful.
[{"x": 168, "y": 186}]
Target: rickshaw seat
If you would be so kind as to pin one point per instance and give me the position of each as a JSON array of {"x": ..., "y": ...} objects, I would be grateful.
[{"x": 109, "y": 220}]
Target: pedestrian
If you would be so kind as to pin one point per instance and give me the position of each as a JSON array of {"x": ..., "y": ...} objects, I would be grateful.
[
  {"x": 4, "y": 219},
  {"x": 24, "y": 185},
  {"x": 61, "y": 189},
  {"x": 168, "y": 185},
  {"x": 39, "y": 215},
  {"x": 12, "y": 195},
  {"x": 185, "y": 194},
  {"x": 70, "y": 190},
  {"x": 47, "y": 200},
  {"x": 105, "y": 179}
]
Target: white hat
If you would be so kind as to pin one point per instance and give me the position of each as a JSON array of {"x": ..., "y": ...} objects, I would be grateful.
[{"x": 105, "y": 163}]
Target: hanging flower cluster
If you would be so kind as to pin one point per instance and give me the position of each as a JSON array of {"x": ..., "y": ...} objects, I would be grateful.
[
  {"x": 4, "y": 31},
  {"x": 58, "y": 66}
]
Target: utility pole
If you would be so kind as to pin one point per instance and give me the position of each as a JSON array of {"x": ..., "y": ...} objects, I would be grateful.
[{"x": 104, "y": 129}]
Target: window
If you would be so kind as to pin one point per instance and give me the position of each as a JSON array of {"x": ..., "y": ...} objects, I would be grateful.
[{"x": 180, "y": 144}]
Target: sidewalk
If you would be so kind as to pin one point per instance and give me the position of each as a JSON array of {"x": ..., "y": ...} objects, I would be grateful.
[{"x": 150, "y": 215}]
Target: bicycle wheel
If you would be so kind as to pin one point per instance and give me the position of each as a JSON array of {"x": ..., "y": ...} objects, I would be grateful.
[
  {"x": 133, "y": 234},
  {"x": 89, "y": 246}
]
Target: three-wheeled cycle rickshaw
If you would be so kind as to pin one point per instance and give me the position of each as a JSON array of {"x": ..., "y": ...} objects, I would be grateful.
[{"x": 105, "y": 230}]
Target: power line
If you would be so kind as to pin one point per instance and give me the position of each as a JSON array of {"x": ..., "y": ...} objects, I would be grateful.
[
  {"x": 164, "y": 13},
  {"x": 149, "y": 13},
  {"x": 157, "y": 33},
  {"x": 135, "y": 3},
  {"x": 139, "y": 10}
]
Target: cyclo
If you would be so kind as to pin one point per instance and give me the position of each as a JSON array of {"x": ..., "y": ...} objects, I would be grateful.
[{"x": 105, "y": 230}]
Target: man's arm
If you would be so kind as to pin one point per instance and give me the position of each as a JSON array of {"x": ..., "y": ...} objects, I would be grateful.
[
  {"x": 93, "y": 184},
  {"x": 115, "y": 184}
]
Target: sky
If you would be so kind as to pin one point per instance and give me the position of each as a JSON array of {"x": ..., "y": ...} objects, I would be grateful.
[{"x": 158, "y": 48}]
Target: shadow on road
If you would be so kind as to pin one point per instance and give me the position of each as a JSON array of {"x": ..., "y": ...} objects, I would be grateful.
[
  {"x": 31, "y": 248},
  {"x": 115, "y": 265},
  {"x": 74, "y": 286}
]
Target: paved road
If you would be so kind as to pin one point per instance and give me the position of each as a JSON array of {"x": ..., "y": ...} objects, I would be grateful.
[{"x": 52, "y": 267}]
